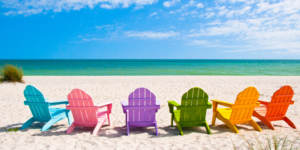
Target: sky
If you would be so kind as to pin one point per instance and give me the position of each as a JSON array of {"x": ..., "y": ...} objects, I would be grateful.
[{"x": 149, "y": 29}]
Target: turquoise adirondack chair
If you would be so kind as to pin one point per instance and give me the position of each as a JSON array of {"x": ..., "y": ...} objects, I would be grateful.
[
  {"x": 41, "y": 109},
  {"x": 192, "y": 111}
]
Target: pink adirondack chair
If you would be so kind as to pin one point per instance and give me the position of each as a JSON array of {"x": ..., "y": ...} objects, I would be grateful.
[
  {"x": 140, "y": 112},
  {"x": 85, "y": 114}
]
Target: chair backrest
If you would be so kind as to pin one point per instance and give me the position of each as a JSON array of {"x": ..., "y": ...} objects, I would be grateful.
[
  {"x": 244, "y": 105},
  {"x": 37, "y": 104},
  {"x": 141, "y": 99},
  {"x": 82, "y": 108},
  {"x": 194, "y": 104},
  {"x": 280, "y": 102}
]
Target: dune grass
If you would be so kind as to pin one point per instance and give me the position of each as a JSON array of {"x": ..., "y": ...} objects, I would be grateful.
[
  {"x": 13, "y": 129},
  {"x": 270, "y": 143},
  {"x": 10, "y": 73}
]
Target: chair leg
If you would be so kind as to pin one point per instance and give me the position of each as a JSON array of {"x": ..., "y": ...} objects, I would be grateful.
[
  {"x": 228, "y": 123},
  {"x": 108, "y": 119},
  {"x": 51, "y": 122},
  {"x": 232, "y": 127},
  {"x": 156, "y": 130},
  {"x": 255, "y": 125},
  {"x": 71, "y": 128},
  {"x": 69, "y": 117},
  {"x": 263, "y": 120},
  {"x": 98, "y": 126},
  {"x": 267, "y": 123},
  {"x": 27, "y": 123},
  {"x": 207, "y": 128},
  {"x": 172, "y": 119},
  {"x": 128, "y": 128},
  {"x": 213, "y": 121},
  {"x": 179, "y": 128},
  {"x": 289, "y": 122}
]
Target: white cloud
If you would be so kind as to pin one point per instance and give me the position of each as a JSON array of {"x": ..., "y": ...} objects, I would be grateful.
[
  {"x": 189, "y": 8},
  {"x": 170, "y": 3},
  {"x": 229, "y": 28},
  {"x": 29, "y": 7},
  {"x": 199, "y": 5},
  {"x": 151, "y": 34},
  {"x": 106, "y": 6},
  {"x": 254, "y": 25},
  {"x": 153, "y": 14},
  {"x": 92, "y": 39},
  {"x": 282, "y": 7},
  {"x": 193, "y": 3},
  {"x": 106, "y": 27},
  {"x": 200, "y": 42}
]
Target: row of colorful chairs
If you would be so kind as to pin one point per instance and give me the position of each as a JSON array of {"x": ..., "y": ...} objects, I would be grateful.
[{"x": 141, "y": 107}]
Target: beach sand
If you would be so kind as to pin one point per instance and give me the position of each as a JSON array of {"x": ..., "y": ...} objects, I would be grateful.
[{"x": 117, "y": 88}]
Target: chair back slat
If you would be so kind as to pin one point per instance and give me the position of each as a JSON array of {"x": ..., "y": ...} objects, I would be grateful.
[
  {"x": 82, "y": 108},
  {"x": 244, "y": 105},
  {"x": 141, "y": 99},
  {"x": 280, "y": 102},
  {"x": 37, "y": 104},
  {"x": 194, "y": 104}
]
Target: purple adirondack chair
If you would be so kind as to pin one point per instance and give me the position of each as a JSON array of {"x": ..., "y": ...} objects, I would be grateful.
[{"x": 140, "y": 109}]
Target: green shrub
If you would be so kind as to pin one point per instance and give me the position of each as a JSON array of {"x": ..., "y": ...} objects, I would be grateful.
[{"x": 11, "y": 73}]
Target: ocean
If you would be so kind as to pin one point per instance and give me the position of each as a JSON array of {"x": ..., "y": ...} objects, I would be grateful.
[{"x": 135, "y": 67}]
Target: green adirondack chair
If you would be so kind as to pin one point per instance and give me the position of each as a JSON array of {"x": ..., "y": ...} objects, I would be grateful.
[{"x": 192, "y": 111}]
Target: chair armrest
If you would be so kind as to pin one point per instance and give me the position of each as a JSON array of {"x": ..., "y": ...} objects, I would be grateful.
[
  {"x": 157, "y": 103},
  {"x": 263, "y": 102},
  {"x": 58, "y": 103},
  {"x": 257, "y": 104},
  {"x": 209, "y": 105},
  {"x": 127, "y": 107},
  {"x": 124, "y": 104},
  {"x": 172, "y": 104},
  {"x": 107, "y": 105},
  {"x": 222, "y": 103}
]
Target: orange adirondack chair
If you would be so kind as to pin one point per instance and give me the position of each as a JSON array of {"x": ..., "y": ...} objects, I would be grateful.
[
  {"x": 277, "y": 108},
  {"x": 238, "y": 113}
]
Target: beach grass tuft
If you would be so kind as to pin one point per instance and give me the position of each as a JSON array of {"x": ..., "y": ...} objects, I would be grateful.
[
  {"x": 11, "y": 73},
  {"x": 13, "y": 129},
  {"x": 272, "y": 143}
]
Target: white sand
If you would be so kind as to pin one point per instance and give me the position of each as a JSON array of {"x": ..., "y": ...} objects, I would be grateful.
[{"x": 115, "y": 89}]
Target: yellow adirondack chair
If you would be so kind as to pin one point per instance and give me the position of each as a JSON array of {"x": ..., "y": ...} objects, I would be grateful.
[{"x": 238, "y": 113}]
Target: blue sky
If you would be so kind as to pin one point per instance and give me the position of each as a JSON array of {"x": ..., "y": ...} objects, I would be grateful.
[{"x": 154, "y": 29}]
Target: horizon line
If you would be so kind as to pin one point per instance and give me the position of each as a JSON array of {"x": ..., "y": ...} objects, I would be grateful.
[{"x": 146, "y": 59}]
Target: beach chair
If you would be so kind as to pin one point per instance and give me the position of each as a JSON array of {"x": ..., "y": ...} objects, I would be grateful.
[
  {"x": 140, "y": 109},
  {"x": 277, "y": 108},
  {"x": 238, "y": 113},
  {"x": 85, "y": 114},
  {"x": 192, "y": 111},
  {"x": 42, "y": 111}
]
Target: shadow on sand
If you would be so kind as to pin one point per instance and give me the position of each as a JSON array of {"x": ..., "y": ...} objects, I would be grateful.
[{"x": 115, "y": 132}]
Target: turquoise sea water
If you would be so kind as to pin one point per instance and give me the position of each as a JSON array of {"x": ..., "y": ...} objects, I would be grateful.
[{"x": 157, "y": 67}]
